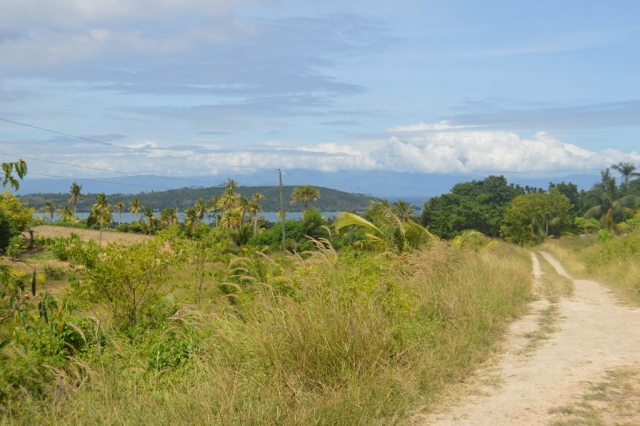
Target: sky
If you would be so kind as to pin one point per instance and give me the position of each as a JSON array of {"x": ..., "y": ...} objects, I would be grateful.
[{"x": 213, "y": 88}]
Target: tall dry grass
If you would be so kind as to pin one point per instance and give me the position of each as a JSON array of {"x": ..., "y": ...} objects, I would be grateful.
[
  {"x": 343, "y": 339},
  {"x": 614, "y": 261}
]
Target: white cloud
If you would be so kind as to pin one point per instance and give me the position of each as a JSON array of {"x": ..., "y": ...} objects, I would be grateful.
[
  {"x": 66, "y": 13},
  {"x": 447, "y": 151}
]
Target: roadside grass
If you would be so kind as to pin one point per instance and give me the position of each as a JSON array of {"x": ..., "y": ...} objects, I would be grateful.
[
  {"x": 614, "y": 262},
  {"x": 614, "y": 401},
  {"x": 340, "y": 339}
]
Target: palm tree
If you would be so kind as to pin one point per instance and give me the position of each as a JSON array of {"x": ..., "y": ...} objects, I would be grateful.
[
  {"x": 66, "y": 214},
  {"x": 230, "y": 185},
  {"x": 118, "y": 207},
  {"x": 212, "y": 208},
  {"x": 151, "y": 218},
  {"x": 76, "y": 195},
  {"x": 169, "y": 216},
  {"x": 191, "y": 219},
  {"x": 605, "y": 204},
  {"x": 134, "y": 206},
  {"x": 49, "y": 207},
  {"x": 389, "y": 232},
  {"x": 243, "y": 207},
  {"x": 626, "y": 170},
  {"x": 304, "y": 194},
  {"x": 254, "y": 209},
  {"x": 102, "y": 209},
  {"x": 200, "y": 207},
  {"x": 228, "y": 203},
  {"x": 405, "y": 211}
]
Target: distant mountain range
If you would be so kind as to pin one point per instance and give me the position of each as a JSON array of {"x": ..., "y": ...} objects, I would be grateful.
[{"x": 413, "y": 187}]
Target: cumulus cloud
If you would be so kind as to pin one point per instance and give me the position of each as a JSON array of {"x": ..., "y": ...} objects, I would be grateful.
[{"x": 463, "y": 150}]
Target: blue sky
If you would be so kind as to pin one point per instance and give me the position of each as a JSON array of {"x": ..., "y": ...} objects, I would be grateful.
[{"x": 200, "y": 87}]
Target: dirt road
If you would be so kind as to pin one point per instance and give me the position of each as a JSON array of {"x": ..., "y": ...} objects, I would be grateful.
[
  {"x": 88, "y": 234},
  {"x": 594, "y": 335}
]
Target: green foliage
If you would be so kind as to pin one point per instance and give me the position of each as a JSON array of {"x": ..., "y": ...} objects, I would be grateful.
[
  {"x": 604, "y": 236},
  {"x": 15, "y": 217},
  {"x": 73, "y": 248},
  {"x": 297, "y": 232},
  {"x": 533, "y": 217},
  {"x": 19, "y": 168},
  {"x": 128, "y": 279},
  {"x": 478, "y": 205},
  {"x": 587, "y": 226},
  {"x": 331, "y": 200},
  {"x": 390, "y": 230}
]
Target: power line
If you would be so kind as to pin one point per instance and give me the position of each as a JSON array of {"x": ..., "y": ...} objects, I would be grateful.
[
  {"x": 97, "y": 181},
  {"x": 99, "y": 169},
  {"x": 143, "y": 150}
]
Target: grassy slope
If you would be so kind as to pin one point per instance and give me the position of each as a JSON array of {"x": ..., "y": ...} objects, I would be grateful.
[{"x": 334, "y": 339}]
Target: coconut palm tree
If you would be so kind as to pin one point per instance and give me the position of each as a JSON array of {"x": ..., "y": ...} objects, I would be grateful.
[
  {"x": 626, "y": 170},
  {"x": 212, "y": 208},
  {"x": 201, "y": 208},
  {"x": 169, "y": 216},
  {"x": 49, "y": 207},
  {"x": 76, "y": 195},
  {"x": 402, "y": 209},
  {"x": 135, "y": 206},
  {"x": 388, "y": 232},
  {"x": 102, "y": 210},
  {"x": 66, "y": 214},
  {"x": 230, "y": 185},
  {"x": 119, "y": 207},
  {"x": 304, "y": 194},
  {"x": 191, "y": 219},
  {"x": 254, "y": 209},
  {"x": 151, "y": 218},
  {"x": 605, "y": 204}
]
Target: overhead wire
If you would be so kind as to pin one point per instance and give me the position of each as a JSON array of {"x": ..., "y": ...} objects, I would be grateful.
[
  {"x": 144, "y": 150},
  {"x": 140, "y": 150}
]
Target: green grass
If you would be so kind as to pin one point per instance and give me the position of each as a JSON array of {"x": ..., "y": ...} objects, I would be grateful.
[
  {"x": 340, "y": 339},
  {"x": 615, "y": 263}
]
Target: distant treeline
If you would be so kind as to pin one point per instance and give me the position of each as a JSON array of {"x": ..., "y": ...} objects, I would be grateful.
[{"x": 330, "y": 199}]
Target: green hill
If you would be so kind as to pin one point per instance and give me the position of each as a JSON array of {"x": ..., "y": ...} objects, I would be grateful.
[{"x": 330, "y": 199}]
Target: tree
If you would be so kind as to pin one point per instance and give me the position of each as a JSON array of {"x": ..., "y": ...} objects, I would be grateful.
[
  {"x": 102, "y": 210},
  {"x": 119, "y": 207},
  {"x": 76, "y": 195},
  {"x": 534, "y": 216},
  {"x": 305, "y": 194},
  {"x": 201, "y": 208},
  {"x": 387, "y": 231},
  {"x": 605, "y": 205},
  {"x": 254, "y": 209},
  {"x": 168, "y": 216},
  {"x": 191, "y": 219},
  {"x": 151, "y": 218},
  {"x": 626, "y": 170},
  {"x": 479, "y": 205},
  {"x": 66, "y": 214},
  {"x": 135, "y": 206},
  {"x": 230, "y": 185},
  {"x": 129, "y": 279},
  {"x": 50, "y": 208},
  {"x": 212, "y": 208}
]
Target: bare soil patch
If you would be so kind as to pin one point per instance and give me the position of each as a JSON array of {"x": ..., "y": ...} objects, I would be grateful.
[
  {"x": 108, "y": 236},
  {"x": 594, "y": 337}
]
